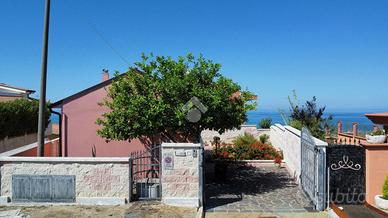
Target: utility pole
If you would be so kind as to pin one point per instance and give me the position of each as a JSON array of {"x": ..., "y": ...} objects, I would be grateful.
[{"x": 42, "y": 99}]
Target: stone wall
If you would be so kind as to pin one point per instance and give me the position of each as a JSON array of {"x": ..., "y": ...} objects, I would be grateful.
[
  {"x": 98, "y": 180},
  {"x": 287, "y": 139},
  {"x": 181, "y": 174},
  {"x": 229, "y": 135}
]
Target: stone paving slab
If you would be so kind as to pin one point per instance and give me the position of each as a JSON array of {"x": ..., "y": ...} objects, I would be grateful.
[
  {"x": 256, "y": 189},
  {"x": 268, "y": 215}
]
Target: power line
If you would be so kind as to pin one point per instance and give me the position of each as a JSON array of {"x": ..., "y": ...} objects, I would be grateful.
[{"x": 107, "y": 43}]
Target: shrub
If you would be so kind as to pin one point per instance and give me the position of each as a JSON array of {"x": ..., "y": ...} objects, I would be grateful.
[
  {"x": 377, "y": 132},
  {"x": 255, "y": 151},
  {"x": 241, "y": 152},
  {"x": 296, "y": 124},
  {"x": 20, "y": 116},
  {"x": 278, "y": 161},
  {"x": 264, "y": 138},
  {"x": 225, "y": 151},
  {"x": 260, "y": 151},
  {"x": 308, "y": 115},
  {"x": 265, "y": 123},
  {"x": 385, "y": 188},
  {"x": 245, "y": 139}
]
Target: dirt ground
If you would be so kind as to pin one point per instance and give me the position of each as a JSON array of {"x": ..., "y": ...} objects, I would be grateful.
[{"x": 135, "y": 210}]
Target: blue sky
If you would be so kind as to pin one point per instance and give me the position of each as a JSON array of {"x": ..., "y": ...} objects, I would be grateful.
[{"x": 335, "y": 50}]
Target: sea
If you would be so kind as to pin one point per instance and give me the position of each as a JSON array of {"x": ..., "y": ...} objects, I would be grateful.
[{"x": 347, "y": 119}]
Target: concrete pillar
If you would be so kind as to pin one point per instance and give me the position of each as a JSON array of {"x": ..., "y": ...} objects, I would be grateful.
[
  {"x": 355, "y": 130},
  {"x": 376, "y": 169},
  {"x": 181, "y": 174},
  {"x": 339, "y": 127}
]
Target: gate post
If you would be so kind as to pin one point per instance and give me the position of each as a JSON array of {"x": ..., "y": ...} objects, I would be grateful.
[
  {"x": 130, "y": 179},
  {"x": 321, "y": 178},
  {"x": 181, "y": 174},
  {"x": 376, "y": 169}
]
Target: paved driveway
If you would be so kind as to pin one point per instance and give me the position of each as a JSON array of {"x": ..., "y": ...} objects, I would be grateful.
[{"x": 256, "y": 189}]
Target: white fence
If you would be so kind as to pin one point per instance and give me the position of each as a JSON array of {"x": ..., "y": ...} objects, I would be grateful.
[{"x": 287, "y": 139}]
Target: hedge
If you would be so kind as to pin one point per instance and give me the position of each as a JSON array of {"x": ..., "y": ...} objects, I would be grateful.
[{"x": 19, "y": 117}]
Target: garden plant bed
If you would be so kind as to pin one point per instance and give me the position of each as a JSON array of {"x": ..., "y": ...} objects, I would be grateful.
[
  {"x": 246, "y": 147},
  {"x": 245, "y": 150}
]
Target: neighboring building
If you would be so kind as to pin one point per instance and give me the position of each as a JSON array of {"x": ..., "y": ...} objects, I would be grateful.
[
  {"x": 79, "y": 129},
  {"x": 8, "y": 93}
]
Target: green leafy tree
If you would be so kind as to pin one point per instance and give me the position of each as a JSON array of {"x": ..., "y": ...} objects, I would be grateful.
[{"x": 157, "y": 97}]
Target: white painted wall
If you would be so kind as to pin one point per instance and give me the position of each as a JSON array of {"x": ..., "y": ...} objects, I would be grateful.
[
  {"x": 228, "y": 136},
  {"x": 287, "y": 139}
]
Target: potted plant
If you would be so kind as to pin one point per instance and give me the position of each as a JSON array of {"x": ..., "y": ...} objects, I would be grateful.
[
  {"x": 382, "y": 200},
  {"x": 378, "y": 136}
]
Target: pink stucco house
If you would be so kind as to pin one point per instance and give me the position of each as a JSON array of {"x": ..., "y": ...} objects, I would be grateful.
[{"x": 79, "y": 113}]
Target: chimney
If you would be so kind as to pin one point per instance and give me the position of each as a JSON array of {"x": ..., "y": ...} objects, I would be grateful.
[{"x": 105, "y": 75}]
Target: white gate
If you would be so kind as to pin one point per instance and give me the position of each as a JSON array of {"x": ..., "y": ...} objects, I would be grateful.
[{"x": 313, "y": 173}]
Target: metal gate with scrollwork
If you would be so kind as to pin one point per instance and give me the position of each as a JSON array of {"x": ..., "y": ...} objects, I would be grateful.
[
  {"x": 346, "y": 169},
  {"x": 313, "y": 170},
  {"x": 145, "y": 174}
]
